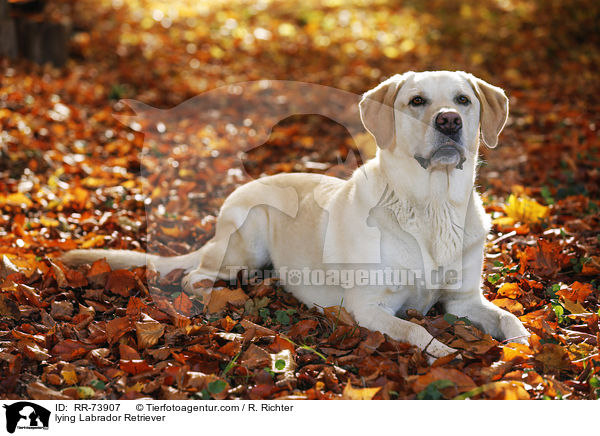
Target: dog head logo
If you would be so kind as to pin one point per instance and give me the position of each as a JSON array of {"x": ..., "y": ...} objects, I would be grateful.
[{"x": 24, "y": 414}]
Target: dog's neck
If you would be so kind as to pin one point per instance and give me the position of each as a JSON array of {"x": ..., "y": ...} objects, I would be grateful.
[
  {"x": 425, "y": 187},
  {"x": 431, "y": 202}
]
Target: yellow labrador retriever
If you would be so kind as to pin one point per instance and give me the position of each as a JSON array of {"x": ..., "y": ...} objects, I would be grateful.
[{"x": 405, "y": 231}]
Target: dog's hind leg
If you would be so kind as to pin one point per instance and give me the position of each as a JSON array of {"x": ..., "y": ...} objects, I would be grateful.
[{"x": 236, "y": 246}]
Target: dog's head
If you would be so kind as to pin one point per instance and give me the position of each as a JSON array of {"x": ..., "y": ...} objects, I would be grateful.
[{"x": 434, "y": 117}]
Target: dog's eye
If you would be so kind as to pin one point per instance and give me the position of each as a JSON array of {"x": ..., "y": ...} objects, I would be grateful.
[
  {"x": 417, "y": 100},
  {"x": 463, "y": 99}
]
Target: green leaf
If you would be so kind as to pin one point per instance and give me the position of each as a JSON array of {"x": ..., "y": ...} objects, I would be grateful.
[
  {"x": 432, "y": 391},
  {"x": 216, "y": 387},
  {"x": 279, "y": 364},
  {"x": 497, "y": 263},
  {"x": 552, "y": 290},
  {"x": 265, "y": 314},
  {"x": 99, "y": 385},
  {"x": 85, "y": 392},
  {"x": 493, "y": 279},
  {"x": 282, "y": 317},
  {"x": 450, "y": 319},
  {"x": 469, "y": 394},
  {"x": 547, "y": 195},
  {"x": 466, "y": 320}
]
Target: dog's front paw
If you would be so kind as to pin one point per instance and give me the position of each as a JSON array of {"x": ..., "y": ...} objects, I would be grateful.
[{"x": 513, "y": 329}]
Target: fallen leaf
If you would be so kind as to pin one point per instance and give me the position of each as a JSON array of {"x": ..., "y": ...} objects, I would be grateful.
[
  {"x": 339, "y": 315},
  {"x": 219, "y": 298},
  {"x": 576, "y": 293},
  {"x": 461, "y": 382},
  {"x": 525, "y": 209},
  {"x": 148, "y": 333},
  {"x": 351, "y": 393},
  {"x": 512, "y": 306},
  {"x": 554, "y": 358},
  {"x": 301, "y": 328},
  {"x": 121, "y": 282},
  {"x": 38, "y": 391}
]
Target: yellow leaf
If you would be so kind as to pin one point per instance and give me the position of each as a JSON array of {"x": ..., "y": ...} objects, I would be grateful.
[
  {"x": 93, "y": 241},
  {"x": 512, "y": 306},
  {"x": 49, "y": 222},
  {"x": 17, "y": 199},
  {"x": 572, "y": 306},
  {"x": 506, "y": 390},
  {"x": 524, "y": 209},
  {"x": 351, "y": 393},
  {"x": 504, "y": 221},
  {"x": 70, "y": 376}
]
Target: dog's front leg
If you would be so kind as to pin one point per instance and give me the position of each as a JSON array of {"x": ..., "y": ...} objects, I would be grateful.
[
  {"x": 377, "y": 316},
  {"x": 468, "y": 301}
]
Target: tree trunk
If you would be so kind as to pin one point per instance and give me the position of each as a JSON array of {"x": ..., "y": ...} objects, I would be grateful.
[
  {"x": 8, "y": 32},
  {"x": 43, "y": 41},
  {"x": 32, "y": 36}
]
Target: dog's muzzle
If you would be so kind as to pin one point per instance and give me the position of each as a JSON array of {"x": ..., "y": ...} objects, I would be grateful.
[
  {"x": 448, "y": 124},
  {"x": 448, "y": 154}
]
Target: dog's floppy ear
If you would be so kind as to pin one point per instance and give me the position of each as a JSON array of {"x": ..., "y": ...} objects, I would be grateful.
[
  {"x": 377, "y": 110},
  {"x": 494, "y": 109}
]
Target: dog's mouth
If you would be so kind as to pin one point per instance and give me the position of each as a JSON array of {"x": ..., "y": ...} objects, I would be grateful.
[{"x": 447, "y": 154}]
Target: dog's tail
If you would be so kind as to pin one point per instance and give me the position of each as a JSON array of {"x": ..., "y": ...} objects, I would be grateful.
[{"x": 121, "y": 259}]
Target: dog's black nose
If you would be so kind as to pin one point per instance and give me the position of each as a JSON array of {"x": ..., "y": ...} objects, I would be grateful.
[{"x": 448, "y": 122}]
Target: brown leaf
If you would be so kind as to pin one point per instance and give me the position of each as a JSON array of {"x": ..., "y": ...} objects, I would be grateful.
[
  {"x": 231, "y": 348},
  {"x": 62, "y": 310},
  {"x": 38, "y": 391},
  {"x": 148, "y": 333},
  {"x": 183, "y": 304},
  {"x": 301, "y": 328},
  {"x": 7, "y": 267},
  {"x": 258, "y": 329},
  {"x": 280, "y": 343},
  {"x": 462, "y": 382},
  {"x": 70, "y": 349},
  {"x": 545, "y": 259},
  {"x": 8, "y": 307},
  {"x": 134, "y": 367},
  {"x": 255, "y": 357},
  {"x": 219, "y": 298},
  {"x": 121, "y": 282},
  {"x": 128, "y": 353},
  {"x": 31, "y": 295},
  {"x": 338, "y": 315},
  {"x": 98, "y": 273},
  {"x": 554, "y": 358},
  {"x": 577, "y": 292},
  {"x": 117, "y": 328},
  {"x": 59, "y": 275}
]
